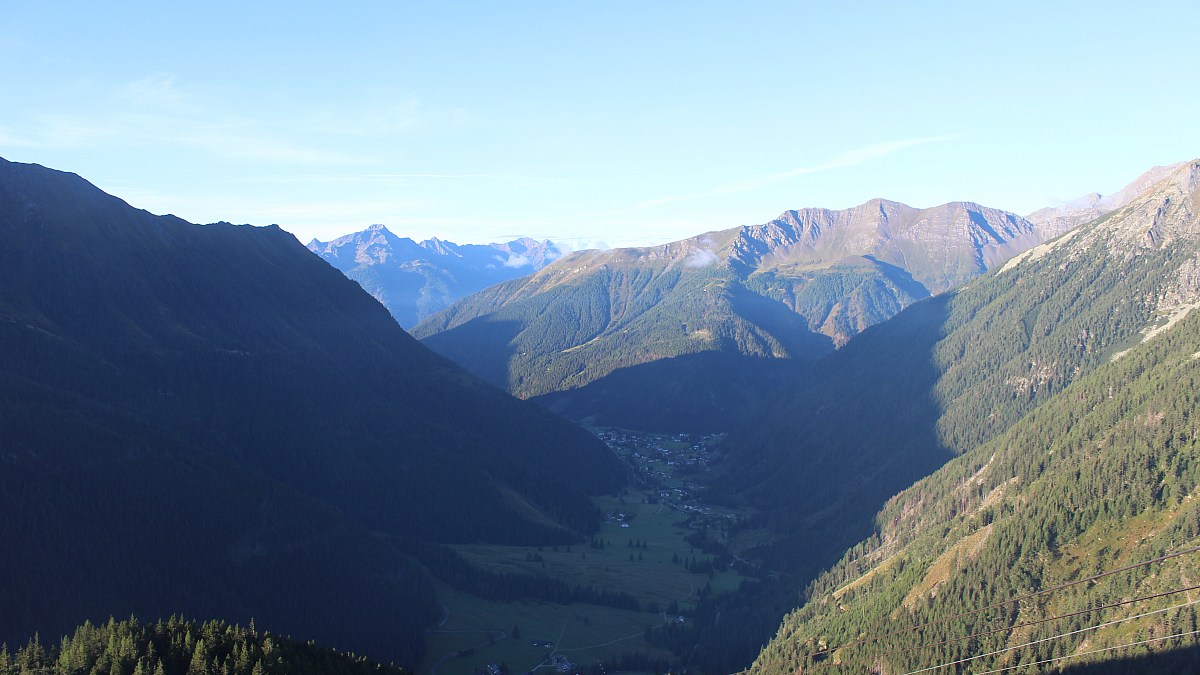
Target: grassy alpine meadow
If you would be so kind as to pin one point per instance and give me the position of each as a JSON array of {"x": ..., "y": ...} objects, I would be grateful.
[
  {"x": 478, "y": 632},
  {"x": 646, "y": 548},
  {"x": 648, "y": 559}
]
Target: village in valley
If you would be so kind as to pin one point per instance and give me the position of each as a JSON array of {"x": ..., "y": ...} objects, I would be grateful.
[{"x": 669, "y": 469}]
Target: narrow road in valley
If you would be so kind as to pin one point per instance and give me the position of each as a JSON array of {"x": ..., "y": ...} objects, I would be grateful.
[
  {"x": 554, "y": 651},
  {"x": 602, "y": 644}
]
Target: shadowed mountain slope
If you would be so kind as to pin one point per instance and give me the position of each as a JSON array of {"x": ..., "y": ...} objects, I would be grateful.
[{"x": 214, "y": 419}]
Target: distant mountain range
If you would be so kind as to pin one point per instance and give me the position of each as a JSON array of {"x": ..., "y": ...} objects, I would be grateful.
[
  {"x": 416, "y": 279},
  {"x": 696, "y": 324},
  {"x": 211, "y": 420}
]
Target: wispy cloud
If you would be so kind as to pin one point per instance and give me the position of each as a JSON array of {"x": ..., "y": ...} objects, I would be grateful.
[
  {"x": 382, "y": 112},
  {"x": 843, "y": 160},
  {"x": 398, "y": 177},
  {"x": 15, "y": 140},
  {"x": 64, "y": 132},
  {"x": 158, "y": 91},
  {"x": 514, "y": 260},
  {"x": 704, "y": 257},
  {"x": 846, "y": 159},
  {"x": 160, "y": 110}
]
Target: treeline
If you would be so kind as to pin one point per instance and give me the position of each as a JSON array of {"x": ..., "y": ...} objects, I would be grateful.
[
  {"x": 724, "y": 632},
  {"x": 178, "y": 646},
  {"x": 446, "y": 564},
  {"x": 636, "y": 662}
]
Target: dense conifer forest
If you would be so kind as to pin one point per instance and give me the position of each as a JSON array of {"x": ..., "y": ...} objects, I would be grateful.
[
  {"x": 1100, "y": 477},
  {"x": 178, "y": 646}
]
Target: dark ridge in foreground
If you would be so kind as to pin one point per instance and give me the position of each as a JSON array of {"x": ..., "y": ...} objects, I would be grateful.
[{"x": 211, "y": 419}]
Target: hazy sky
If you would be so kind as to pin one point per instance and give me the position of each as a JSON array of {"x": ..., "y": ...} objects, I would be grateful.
[{"x": 612, "y": 122}]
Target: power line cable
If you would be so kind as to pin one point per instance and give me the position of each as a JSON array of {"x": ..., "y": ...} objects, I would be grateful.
[
  {"x": 1051, "y": 638},
  {"x": 1039, "y": 621},
  {"x": 1094, "y": 651},
  {"x": 1011, "y": 601}
]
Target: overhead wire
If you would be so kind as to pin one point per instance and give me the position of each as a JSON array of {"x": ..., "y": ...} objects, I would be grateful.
[
  {"x": 1005, "y": 603},
  {"x": 1088, "y": 653},
  {"x": 1052, "y": 638},
  {"x": 1048, "y": 619}
]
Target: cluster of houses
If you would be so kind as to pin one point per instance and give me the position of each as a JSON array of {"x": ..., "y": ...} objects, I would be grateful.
[
  {"x": 663, "y": 466},
  {"x": 644, "y": 447},
  {"x": 618, "y": 517}
]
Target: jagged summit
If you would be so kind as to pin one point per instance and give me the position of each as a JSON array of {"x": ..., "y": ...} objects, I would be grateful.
[
  {"x": 1059, "y": 219},
  {"x": 790, "y": 289},
  {"x": 1162, "y": 213},
  {"x": 414, "y": 279},
  {"x": 941, "y": 247}
]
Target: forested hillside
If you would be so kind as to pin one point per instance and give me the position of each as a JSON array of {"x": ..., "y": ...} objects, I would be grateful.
[
  {"x": 952, "y": 372},
  {"x": 211, "y": 420},
  {"x": 1101, "y": 477},
  {"x": 177, "y": 646}
]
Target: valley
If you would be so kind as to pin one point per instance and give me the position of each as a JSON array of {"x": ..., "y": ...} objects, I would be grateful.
[
  {"x": 283, "y": 451},
  {"x": 546, "y": 338},
  {"x": 661, "y": 546}
]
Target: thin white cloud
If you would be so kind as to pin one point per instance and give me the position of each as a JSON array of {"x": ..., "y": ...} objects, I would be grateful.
[
  {"x": 384, "y": 113},
  {"x": 15, "y": 140},
  {"x": 396, "y": 177},
  {"x": 843, "y": 160},
  {"x": 67, "y": 132},
  {"x": 846, "y": 159},
  {"x": 158, "y": 110},
  {"x": 157, "y": 91},
  {"x": 247, "y": 144},
  {"x": 515, "y": 260},
  {"x": 704, "y": 257}
]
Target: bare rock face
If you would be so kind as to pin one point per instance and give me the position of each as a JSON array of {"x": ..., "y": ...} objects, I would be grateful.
[
  {"x": 1056, "y": 220},
  {"x": 1160, "y": 215},
  {"x": 940, "y": 247}
]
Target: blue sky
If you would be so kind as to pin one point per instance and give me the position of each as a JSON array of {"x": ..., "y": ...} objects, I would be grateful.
[{"x": 615, "y": 123}]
